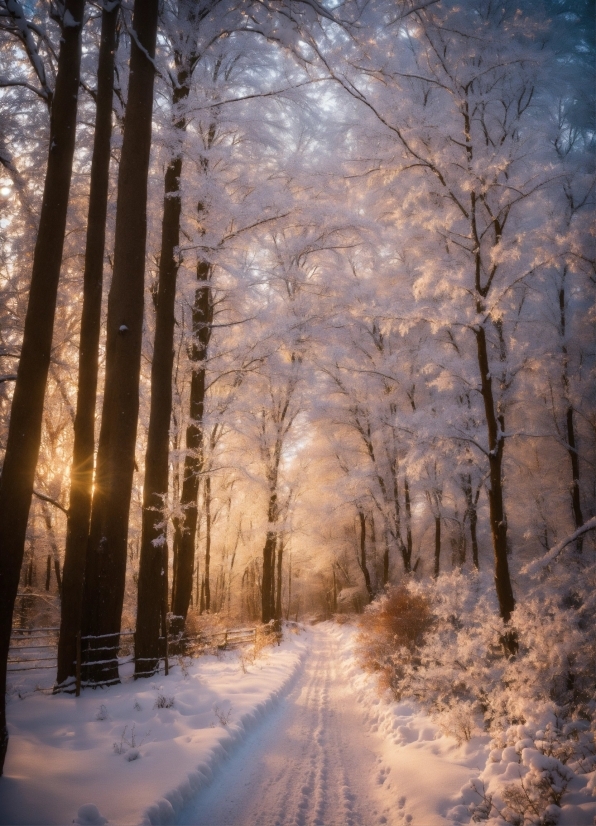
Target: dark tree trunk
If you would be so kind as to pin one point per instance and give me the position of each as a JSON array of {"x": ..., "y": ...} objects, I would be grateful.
[
  {"x": 81, "y": 476},
  {"x": 437, "y": 546},
  {"x": 386, "y": 562},
  {"x": 578, "y": 517},
  {"x": 280, "y": 554},
  {"x": 403, "y": 549},
  {"x": 24, "y": 435},
  {"x": 197, "y": 580},
  {"x": 54, "y": 548},
  {"x": 362, "y": 560},
  {"x": 207, "y": 542},
  {"x": 334, "y": 604},
  {"x": 268, "y": 584},
  {"x": 474, "y": 537},
  {"x": 48, "y": 571},
  {"x": 174, "y": 568},
  {"x": 186, "y": 528},
  {"x": 105, "y": 572},
  {"x": 498, "y": 525},
  {"x": 267, "y": 604},
  {"x": 202, "y": 599},
  {"x": 472, "y": 514},
  {"x": 153, "y": 567},
  {"x": 409, "y": 544}
]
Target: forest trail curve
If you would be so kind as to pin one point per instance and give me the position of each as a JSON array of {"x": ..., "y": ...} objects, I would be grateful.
[{"x": 313, "y": 763}]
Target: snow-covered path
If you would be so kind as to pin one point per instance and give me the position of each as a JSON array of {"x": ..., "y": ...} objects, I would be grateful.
[
  {"x": 313, "y": 763},
  {"x": 298, "y": 737}
]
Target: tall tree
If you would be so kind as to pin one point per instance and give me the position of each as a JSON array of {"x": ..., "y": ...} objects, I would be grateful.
[
  {"x": 107, "y": 550},
  {"x": 274, "y": 422},
  {"x": 186, "y": 527},
  {"x": 24, "y": 435},
  {"x": 81, "y": 476},
  {"x": 153, "y": 566}
]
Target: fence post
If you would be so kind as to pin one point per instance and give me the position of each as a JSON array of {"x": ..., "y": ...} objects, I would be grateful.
[{"x": 78, "y": 686}]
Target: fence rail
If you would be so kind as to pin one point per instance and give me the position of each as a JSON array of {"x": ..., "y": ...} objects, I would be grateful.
[{"x": 23, "y": 656}]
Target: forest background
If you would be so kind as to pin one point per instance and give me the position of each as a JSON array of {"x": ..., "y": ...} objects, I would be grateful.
[{"x": 302, "y": 307}]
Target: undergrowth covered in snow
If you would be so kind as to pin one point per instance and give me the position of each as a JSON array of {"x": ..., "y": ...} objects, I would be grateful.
[{"x": 441, "y": 643}]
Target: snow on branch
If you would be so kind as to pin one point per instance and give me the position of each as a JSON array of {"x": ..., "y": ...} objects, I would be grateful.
[
  {"x": 540, "y": 564},
  {"x": 23, "y": 30},
  {"x": 50, "y": 501}
]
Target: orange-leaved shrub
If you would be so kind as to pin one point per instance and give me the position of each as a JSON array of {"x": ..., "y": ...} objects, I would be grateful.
[{"x": 392, "y": 630}]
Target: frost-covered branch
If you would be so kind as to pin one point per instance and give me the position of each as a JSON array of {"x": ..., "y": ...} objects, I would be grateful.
[{"x": 540, "y": 564}]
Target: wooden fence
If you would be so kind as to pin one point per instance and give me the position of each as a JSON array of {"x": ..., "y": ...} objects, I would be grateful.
[{"x": 28, "y": 647}]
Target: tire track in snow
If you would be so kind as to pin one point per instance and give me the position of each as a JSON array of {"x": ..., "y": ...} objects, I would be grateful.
[{"x": 310, "y": 764}]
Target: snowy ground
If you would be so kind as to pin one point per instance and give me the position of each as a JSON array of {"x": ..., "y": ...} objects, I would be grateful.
[
  {"x": 61, "y": 754},
  {"x": 327, "y": 756},
  {"x": 298, "y": 737}
]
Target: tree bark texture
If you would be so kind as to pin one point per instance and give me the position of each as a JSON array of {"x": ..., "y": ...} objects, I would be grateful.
[
  {"x": 362, "y": 560},
  {"x": 55, "y": 555},
  {"x": 268, "y": 580},
  {"x": 186, "y": 528},
  {"x": 24, "y": 435},
  {"x": 267, "y": 593},
  {"x": 437, "y": 546},
  {"x": 81, "y": 477},
  {"x": 404, "y": 550},
  {"x": 207, "y": 542},
  {"x": 280, "y": 555},
  {"x": 498, "y": 525},
  {"x": 107, "y": 550},
  {"x": 578, "y": 518},
  {"x": 409, "y": 544},
  {"x": 153, "y": 566},
  {"x": 472, "y": 514}
]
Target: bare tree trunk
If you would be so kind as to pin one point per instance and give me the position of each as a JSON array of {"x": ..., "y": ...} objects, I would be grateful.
[
  {"x": 207, "y": 542},
  {"x": 334, "y": 591},
  {"x": 202, "y": 599},
  {"x": 197, "y": 580},
  {"x": 280, "y": 554},
  {"x": 105, "y": 573},
  {"x": 578, "y": 517},
  {"x": 386, "y": 562},
  {"x": 268, "y": 584},
  {"x": 498, "y": 525},
  {"x": 24, "y": 434},
  {"x": 409, "y": 544},
  {"x": 153, "y": 568},
  {"x": 404, "y": 549},
  {"x": 290, "y": 589},
  {"x": 362, "y": 560},
  {"x": 472, "y": 514},
  {"x": 267, "y": 605},
  {"x": 186, "y": 528},
  {"x": 437, "y": 546},
  {"x": 81, "y": 476},
  {"x": 54, "y": 555}
]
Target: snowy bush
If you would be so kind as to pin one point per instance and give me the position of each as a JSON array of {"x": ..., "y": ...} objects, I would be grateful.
[{"x": 441, "y": 642}]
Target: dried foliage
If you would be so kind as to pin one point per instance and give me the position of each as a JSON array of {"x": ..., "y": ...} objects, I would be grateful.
[{"x": 392, "y": 631}]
